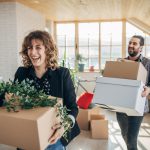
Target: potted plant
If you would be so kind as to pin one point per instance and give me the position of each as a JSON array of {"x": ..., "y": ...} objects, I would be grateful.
[
  {"x": 80, "y": 60},
  {"x": 25, "y": 96},
  {"x": 91, "y": 69}
]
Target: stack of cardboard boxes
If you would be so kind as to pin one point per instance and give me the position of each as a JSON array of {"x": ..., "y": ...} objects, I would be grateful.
[
  {"x": 119, "y": 90},
  {"x": 91, "y": 120},
  {"x": 121, "y": 87}
]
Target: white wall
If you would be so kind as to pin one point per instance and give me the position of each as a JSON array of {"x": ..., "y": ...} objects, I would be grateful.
[
  {"x": 16, "y": 20},
  {"x": 8, "y": 39},
  {"x": 27, "y": 21},
  {"x": 50, "y": 26}
]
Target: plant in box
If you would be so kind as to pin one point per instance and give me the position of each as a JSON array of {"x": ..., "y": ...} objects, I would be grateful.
[{"x": 25, "y": 96}]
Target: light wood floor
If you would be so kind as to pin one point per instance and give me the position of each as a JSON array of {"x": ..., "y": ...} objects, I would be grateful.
[{"x": 115, "y": 141}]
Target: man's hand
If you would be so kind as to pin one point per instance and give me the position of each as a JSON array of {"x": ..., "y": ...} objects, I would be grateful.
[
  {"x": 124, "y": 60},
  {"x": 58, "y": 131},
  {"x": 146, "y": 91}
]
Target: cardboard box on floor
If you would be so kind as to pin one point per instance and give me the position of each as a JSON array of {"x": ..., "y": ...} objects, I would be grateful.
[
  {"x": 126, "y": 70},
  {"x": 122, "y": 95},
  {"x": 99, "y": 127},
  {"x": 27, "y": 129},
  {"x": 83, "y": 117}
]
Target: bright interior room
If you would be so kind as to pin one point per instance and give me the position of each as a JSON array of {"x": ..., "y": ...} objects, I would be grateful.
[{"x": 87, "y": 33}]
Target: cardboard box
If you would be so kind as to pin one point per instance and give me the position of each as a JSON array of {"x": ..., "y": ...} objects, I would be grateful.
[
  {"x": 83, "y": 117},
  {"x": 27, "y": 129},
  {"x": 126, "y": 70},
  {"x": 122, "y": 95},
  {"x": 99, "y": 127}
]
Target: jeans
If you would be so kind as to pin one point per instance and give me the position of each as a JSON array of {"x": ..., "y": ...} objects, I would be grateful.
[
  {"x": 57, "y": 146},
  {"x": 130, "y": 126}
]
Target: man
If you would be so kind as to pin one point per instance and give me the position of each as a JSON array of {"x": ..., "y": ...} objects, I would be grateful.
[{"x": 130, "y": 125}]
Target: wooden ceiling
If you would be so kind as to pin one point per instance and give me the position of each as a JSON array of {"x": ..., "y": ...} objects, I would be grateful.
[{"x": 84, "y": 10}]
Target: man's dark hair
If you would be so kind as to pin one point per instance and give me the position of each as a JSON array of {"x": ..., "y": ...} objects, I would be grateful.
[{"x": 141, "y": 39}]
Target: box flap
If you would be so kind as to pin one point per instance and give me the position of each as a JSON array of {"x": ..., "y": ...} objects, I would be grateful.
[
  {"x": 97, "y": 117},
  {"x": 142, "y": 74},
  {"x": 117, "y": 69},
  {"x": 26, "y": 114},
  {"x": 118, "y": 81}
]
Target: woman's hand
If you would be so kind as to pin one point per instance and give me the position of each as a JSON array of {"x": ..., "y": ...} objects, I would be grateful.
[
  {"x": 146, "y": 91},
  {"x": 8, "y": 96},
  {"x": 58, "y": 131}
]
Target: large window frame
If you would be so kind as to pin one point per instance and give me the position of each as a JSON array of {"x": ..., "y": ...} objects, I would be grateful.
[{"x": 122, "y": 46}]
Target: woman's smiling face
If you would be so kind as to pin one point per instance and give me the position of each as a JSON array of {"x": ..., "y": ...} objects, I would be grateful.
[{"x": 36, "y": 53}]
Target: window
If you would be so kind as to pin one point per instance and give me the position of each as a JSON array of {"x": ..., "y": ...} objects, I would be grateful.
[
  {"x": 89, "y": 43},
  {"x": 111, "y": 41},
  {"x": 97, "y": 42},
  {"x": 66, "y": 44},
  {"x": 132, "y": 30},
  {"x": 147, "y": 46}
]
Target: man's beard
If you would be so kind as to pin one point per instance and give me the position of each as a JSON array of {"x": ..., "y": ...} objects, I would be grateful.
[{"x": 132, "y": 52}]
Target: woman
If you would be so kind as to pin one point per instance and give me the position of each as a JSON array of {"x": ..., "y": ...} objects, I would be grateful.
[{"x": 39, "y": 55}]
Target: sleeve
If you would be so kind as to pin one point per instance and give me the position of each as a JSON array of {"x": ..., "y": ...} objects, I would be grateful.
[
  {"x": 148, "y": 74},
  {"x": 69, "y": 95},
  {"x": 2, "y": 95},
  {"x": 20, "y": 74},
  {"x": 1, "y": 99}
]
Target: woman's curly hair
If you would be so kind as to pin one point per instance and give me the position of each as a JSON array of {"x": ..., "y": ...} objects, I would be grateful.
[{"x": 50, "y": 48}]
